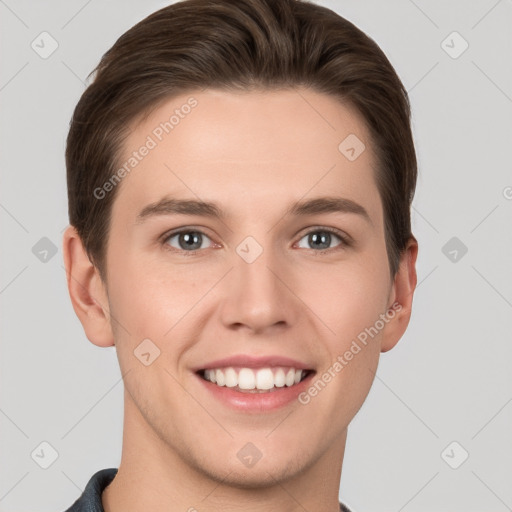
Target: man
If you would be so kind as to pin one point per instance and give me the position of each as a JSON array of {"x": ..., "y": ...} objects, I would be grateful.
[{"x": 240, "y": 176}]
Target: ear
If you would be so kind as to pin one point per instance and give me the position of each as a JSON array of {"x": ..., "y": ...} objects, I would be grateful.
[
  {"x": 401, "y": 295},
  {"x": 87, "y": 290}
]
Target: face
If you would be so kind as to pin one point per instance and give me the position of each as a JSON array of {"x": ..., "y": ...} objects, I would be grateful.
[{"x": 273, "y": 281}]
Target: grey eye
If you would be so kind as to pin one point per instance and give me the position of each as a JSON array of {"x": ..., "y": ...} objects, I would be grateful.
[
  {"x": 188, "y": 240},
  {"x": 319, "y": 239}
]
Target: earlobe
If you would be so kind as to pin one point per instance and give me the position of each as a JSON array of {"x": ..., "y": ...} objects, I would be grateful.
[
  {"x": 86, "y": 290},
  {"x": 402, "y": 294}
]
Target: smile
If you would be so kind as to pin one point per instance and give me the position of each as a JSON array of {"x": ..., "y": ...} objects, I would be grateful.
[{"x": 255, "y": 380}]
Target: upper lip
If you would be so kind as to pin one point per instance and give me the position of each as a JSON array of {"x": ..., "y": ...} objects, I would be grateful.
[{"x": 248, "y": 361}]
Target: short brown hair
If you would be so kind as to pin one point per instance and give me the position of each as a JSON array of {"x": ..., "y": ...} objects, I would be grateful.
[{"x": 244, "y": 44}]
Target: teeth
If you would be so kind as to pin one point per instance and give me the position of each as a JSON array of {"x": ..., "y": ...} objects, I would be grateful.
[
  {"x": 261, "y": 379},
  {"x": 264, "y": 379},
  {"x": 246, "y": 379},
  {"x": 279, "y": 379},
  {"x": 290, "y": 377},
  {"x": 219, "y": 378},
  {"x": 231, "y": 378}
]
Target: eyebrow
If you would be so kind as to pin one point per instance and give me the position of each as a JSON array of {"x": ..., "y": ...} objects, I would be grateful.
[{"x": 172, "y": 206}]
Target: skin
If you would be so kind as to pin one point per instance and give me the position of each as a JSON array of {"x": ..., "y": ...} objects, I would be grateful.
[{"x": 254, "y": 153}]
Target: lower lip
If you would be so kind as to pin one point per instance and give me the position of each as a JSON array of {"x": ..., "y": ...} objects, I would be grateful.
[{"x": 257, "y": 402}]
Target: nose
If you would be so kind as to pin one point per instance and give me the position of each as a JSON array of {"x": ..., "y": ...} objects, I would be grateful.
[{"x": 258, "y": 294}]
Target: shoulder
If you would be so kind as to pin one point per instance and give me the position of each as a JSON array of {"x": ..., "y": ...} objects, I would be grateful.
[
  {"x": 344, "y": 508},
  {"x": 90, "y": 499}
]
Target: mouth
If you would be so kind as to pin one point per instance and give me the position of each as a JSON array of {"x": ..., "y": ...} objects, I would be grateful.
[{"x": 255, "y": 380}]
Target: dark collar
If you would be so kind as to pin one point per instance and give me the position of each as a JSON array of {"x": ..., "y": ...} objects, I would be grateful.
[{"x": 90, "y": 500}]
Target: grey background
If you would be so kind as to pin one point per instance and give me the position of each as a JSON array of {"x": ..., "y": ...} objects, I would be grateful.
[{"x": 449, "y": 378}]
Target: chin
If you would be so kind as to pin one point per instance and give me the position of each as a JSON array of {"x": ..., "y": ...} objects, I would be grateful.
[
  {"x": 251, "y": 478},
  {"x": 266, "y": 472}
]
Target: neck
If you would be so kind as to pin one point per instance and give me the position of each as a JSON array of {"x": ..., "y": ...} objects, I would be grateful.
[{"x": 152, "y": 475}]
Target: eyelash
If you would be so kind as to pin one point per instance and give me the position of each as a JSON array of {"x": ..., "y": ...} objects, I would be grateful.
[{"x": 346, "y": 241}]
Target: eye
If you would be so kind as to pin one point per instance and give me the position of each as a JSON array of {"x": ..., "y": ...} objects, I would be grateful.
[
  {"x": 187, "y": 240},
  {"x": 322, "y": 238},
  {"x": 191, "y": 240}
]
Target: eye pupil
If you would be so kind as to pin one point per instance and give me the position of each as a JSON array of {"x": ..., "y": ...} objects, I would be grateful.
[
  {"x": 191, "y": 239},
  {"x": 323, "y": 240}
]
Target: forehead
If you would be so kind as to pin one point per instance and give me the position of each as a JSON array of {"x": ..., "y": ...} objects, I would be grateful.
[{"x": 248, "y": 151}]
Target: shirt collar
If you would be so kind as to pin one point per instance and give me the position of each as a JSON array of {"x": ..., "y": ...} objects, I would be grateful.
[{"x": 90, "y": 500}]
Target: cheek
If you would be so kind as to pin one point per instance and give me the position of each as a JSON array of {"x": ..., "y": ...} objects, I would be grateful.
[
  {"x": 151, "y": 297},
  {"x": 346, "y": 297}
]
